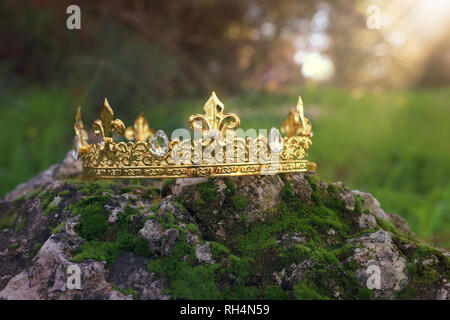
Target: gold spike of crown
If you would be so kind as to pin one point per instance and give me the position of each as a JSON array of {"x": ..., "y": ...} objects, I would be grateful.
[{"x": 218, "y": 147}]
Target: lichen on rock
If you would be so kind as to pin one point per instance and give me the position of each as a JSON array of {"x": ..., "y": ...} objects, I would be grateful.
[{"x": 290, "y": 236}]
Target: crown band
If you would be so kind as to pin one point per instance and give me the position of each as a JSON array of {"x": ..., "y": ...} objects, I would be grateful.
[
  {"x": 216, "y": 149},
  {"x": 213, "y": 170}
]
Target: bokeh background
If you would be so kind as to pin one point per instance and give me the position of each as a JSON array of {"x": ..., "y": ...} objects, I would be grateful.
[{"x": 374, "y": 76}]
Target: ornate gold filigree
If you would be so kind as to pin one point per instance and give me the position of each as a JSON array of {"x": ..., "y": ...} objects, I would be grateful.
[
  {"x": 107, "y": 125},
  {"x": 296, "y": 124},
  {"x": 81, "y": 136},
  {"x": 140, "y": 131},
  {"x": 214, "y": 118},
  {"x": 143, "y": 159}
]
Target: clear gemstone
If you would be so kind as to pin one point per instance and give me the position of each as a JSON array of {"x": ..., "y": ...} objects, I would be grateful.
[
  {"x": 77, "y": 147},
  {"x": 160, "y": 144},
  {"x": 213, "y": 134},
  {"x": 275, "y": 140}
]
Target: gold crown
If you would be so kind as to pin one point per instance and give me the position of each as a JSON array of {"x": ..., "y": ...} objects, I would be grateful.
[{"x": 218, "y": 148}]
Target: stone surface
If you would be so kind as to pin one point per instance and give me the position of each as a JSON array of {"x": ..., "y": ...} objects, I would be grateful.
[
  {"x": 204, "y": 254},
  {"x": 377, "y": 249},
  {"x": 130, "y": 271},
  {"x": 274, "y": 236}
]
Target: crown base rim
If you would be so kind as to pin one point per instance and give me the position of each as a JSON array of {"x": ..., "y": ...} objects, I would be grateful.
[{"x": 215, "y": 170}]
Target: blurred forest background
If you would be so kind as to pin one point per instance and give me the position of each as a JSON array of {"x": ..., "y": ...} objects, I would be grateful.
[{"x": 374, "y": 76}]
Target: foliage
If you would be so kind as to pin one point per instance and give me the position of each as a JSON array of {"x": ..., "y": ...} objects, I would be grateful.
[{"x": 36, "y": 132}]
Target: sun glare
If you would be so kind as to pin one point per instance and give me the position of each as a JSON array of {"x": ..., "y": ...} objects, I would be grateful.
[{"x": 421, "y": 18}]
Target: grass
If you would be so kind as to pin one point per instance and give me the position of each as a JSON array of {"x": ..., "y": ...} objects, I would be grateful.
[{"x": 392, "y": 144}]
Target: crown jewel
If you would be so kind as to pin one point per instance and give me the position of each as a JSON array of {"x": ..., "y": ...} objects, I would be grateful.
[{"x": 218, "y": 147}]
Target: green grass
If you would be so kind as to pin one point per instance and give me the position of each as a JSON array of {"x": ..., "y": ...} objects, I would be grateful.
[
  {"x": 392, "y": 144},
  {"x": 36, "y": 132}
]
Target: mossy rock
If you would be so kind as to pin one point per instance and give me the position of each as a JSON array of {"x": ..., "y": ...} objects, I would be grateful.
[{"x": 290, "y": 236}]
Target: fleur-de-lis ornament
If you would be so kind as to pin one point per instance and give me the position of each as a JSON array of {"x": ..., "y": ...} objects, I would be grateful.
[
  {"x": 81, "y": 135},
  {"x": 107, "y": 125},
  {"x": 296, "y": 124},
  {"x": 140, "y": 131},
  {"x": 214, "y": 118}
]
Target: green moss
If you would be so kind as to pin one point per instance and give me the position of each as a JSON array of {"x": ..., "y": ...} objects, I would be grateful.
[
  {"x": 14, "y": 245},
  {"x": 252, "y": 253},
  {"x": 97, "y": 250},
  {"x": 46, "y": 202},
  {"x": 180, "y": 206},
  {"x": 364, "y": 294},
  {"x": 240, "y": 266},
  {"x": 36, "y": 248},
  {"x": 19, "y": 199},
  {"x": 109, "y": 251},
  {"x": 58, "y": 228},
  {"x": 132, "y": 189},
  {"x": 155, "y": 206},
  {"x": 239, "y": 202},
  {"x": 106, "y": 243},
  {"x": 259, "y": 244},
  {"x": 386, "y": 225},
  {"x": 313, "y": 181},
  {"x": 7, "y": 221},
  {"x": 231, "y": 188},
  {"x": 88, "y": 203},
  {"x": 219, "y": 250},
  {"x": 51, "y": 208},
  {"x": 92, "y": 188},
  {"x": 46, "y": 198},
  {"x": 21, "y": 225},
  {"x": 192, "y": 228},
  {"x": 178, "y": 267},
  {"x": 272, "y": 292},
  {"x": 422, "y": 277},
  {"x": 64, "y": 193},
  {"x": 34, "y": 193},
  {"x": 94, "y": 223},
  {"x": 419, "y": 279},
  {"x": 189, "y": 280},
  {"x": 168, "y": 221},
  {"x": 197, "y": 283},
  {"x": 307, "y": 290},
  {"x": 358, "y": 204},
  {"x": 247, "y": 260},
  {"x": 208, "y": 191},
  {"x": 333, "y": 199},
  {"x": 128, "y": 291},
  {"x": 167, "y": 186}
]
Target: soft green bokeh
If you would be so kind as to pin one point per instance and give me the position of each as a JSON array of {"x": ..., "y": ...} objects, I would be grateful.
[
  {"x": 394, "y": 145},
  {"x": 36, "y": 132}
]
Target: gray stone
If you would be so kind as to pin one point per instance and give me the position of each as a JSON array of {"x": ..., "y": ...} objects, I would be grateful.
[
  {"x": 377, "y": 249},
  {"x": 204, "y": 254}
]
